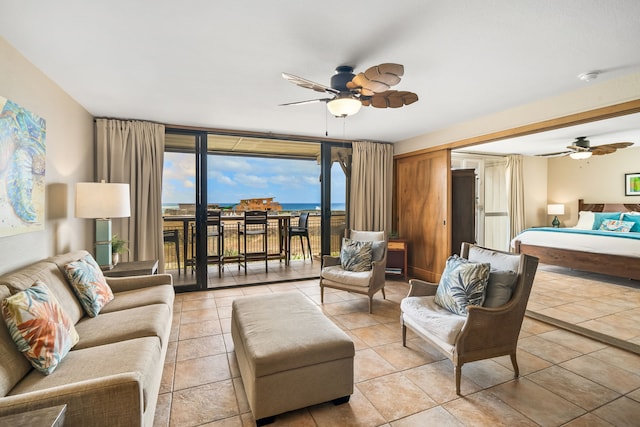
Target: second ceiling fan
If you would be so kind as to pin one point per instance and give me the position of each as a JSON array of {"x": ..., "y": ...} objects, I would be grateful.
[
  {"x": 582, "y": 149},
  {"x": 351, "y": 91}
]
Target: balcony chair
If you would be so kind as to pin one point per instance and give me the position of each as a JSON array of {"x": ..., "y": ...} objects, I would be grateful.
[
  {"x": 479, "y": 331},
  {"x": 254, "y": 224},
  {"x": 301, "y": 230},
  {"x": 173, "y": 236},
  {"x": 215, "y": 232},
  {"x": 336, "y": 272}
]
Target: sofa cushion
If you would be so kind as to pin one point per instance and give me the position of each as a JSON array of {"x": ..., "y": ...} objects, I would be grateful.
[
  {"x": 141, "y": 356},
  {"x": 138, "y": 322},
  {"x": 89, "y": 284},
  {"x": 39, "y": 327},
  {"x": 431, "y": 317},
  {"x": 337, "y": 274},
  {"x": 50, "y": 274},
  {"x": 499, "y": 287},
  {"x": 462, "y": 283},
  {"x": 13, "y": 365},
  {"x": 356, "y": 255},
  {"x": 159, "y": 294}
]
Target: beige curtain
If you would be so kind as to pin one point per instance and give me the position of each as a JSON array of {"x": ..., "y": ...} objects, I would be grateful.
[
  {"x": 133, "y": 152},
  {"x": 371, "y": 187},
  {"x": 515, "y": 195}
]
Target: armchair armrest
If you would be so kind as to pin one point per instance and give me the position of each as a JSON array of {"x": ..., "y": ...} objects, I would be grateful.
[
  {"x": 328, "y": 261},
  {"x": 121, "y": 284},
  {"x": 489, "y": 327},
  {"x": 420, "y": 288}
]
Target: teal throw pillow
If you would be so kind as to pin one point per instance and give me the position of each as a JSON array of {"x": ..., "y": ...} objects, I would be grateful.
[
  {"x": 355, "y": 255},
  {"x": 635, "y": 218},
  {"x": 600, "y": 217},
  {"x": 462, "y": 283}
]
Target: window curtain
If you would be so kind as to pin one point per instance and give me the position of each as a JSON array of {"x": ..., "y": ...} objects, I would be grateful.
[
  {"x": 515, "y": 195},
  {"x": 371, "y": 186},
  {"x": 133, "y": 152}
]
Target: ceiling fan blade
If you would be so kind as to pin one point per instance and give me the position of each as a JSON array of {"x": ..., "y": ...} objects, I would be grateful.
[
  {"x": 308, "y": 84},
  {"x": 390, "y": 99},
  {"x": 558, "y": 154},
  {"x": 609, "y": 148},
  {"x": 377, "y": 79},
  {"x": 310, "y": 101}
]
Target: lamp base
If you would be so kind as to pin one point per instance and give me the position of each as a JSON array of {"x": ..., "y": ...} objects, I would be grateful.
[
  {"x": 556, "y": 222},
  {"x": 103, "y": 243}
]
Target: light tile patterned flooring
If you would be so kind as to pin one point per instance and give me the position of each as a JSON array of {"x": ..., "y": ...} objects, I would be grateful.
[{"x": 566, "y": 379}]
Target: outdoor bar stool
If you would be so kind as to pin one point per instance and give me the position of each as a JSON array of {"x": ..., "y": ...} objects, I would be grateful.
[
  {"x": 254, "y": 225},
  {"x": 173, "y": 236},
  {"x": 215, "y": 230},
  {"x": 301, "y": 230}
]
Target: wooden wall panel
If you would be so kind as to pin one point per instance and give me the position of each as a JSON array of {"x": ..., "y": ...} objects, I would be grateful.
[{"x": 423, "y": 205}]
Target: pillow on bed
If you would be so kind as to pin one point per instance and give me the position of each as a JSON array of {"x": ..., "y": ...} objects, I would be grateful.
[
  {"x": 585, "y": 220},
  {"x": 603, "y": 216},
  {"x": 617, "y": 226},
  {"x": 635, "y": 218}
]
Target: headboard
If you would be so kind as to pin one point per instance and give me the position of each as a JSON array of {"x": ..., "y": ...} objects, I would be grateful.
[{"x": 607, "y": 207}]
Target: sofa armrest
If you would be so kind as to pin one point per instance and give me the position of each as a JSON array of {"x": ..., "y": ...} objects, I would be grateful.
[
  {"x": 121, "y": 284},
  {"x": 328, "y": 261},
  {"x": 420, "y": 288},
  {"x": 108, "y": 401}
]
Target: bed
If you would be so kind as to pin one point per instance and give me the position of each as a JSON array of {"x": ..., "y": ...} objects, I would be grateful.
[{"x": 606, "y": 252}]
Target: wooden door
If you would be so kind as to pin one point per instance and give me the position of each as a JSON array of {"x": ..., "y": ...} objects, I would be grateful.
[{"x": 423, "y": 211}]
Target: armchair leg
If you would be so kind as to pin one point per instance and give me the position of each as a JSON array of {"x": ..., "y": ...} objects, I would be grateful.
[
  {"x": 404, "y": 335},
  {"x": 384, "y": 296},
  {"x": 458, "y": 374},
  {"x": 321, "y": 294},
  {"x": 370, "y": 304},
  {"x": 514, "y": 362}
]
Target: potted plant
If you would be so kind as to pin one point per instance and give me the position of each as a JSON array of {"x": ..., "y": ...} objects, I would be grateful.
[{"x": 118, "y": 246}]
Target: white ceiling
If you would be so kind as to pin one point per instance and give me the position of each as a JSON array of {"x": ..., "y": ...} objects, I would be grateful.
[{"x": 218, "y": 64}]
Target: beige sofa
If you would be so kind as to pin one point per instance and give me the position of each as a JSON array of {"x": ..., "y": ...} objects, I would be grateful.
[{"x": 112, "y": 376}]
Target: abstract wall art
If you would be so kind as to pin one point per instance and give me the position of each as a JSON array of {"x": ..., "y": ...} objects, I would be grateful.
[{"x": 22, "y": 169}]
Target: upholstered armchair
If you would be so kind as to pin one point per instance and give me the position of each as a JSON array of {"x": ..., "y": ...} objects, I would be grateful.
[
  {"x": 368, "y": 282},
  {"x": 483, "y": 332}
]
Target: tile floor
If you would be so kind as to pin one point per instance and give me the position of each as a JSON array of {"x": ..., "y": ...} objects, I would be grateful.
[{"x": 566, "y": 379}]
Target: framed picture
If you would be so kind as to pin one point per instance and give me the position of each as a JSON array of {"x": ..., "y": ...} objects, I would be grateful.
[{"x": 632, "y": 184}]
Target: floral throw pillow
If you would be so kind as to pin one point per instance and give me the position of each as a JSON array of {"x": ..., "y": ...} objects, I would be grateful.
[
  {"x": 355, "y": 255},
  {"x": 41, "y": 330},
  {"x": 617, "y": 226},
  {"x": 462, "y": 283},
  {"x": 89, "y": 284}
]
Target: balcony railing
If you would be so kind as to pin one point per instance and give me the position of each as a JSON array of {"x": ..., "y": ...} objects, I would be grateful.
[{"x": 254, "y": 243}]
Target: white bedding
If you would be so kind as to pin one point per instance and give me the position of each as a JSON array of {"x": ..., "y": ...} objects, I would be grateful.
[{"x": 610, "y": 245}]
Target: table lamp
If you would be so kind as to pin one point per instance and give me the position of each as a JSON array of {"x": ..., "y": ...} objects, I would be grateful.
[
  {"x": 102, "y": 201},
  {"x": 555, "y": 210}
]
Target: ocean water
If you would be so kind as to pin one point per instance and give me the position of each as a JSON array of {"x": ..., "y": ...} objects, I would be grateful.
[{"x": 286, "y": 207}]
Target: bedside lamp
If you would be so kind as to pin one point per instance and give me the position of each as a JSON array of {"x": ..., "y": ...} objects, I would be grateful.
[
  {"x": 555, "y": 210},
  {"x": 102, "y": 201}
]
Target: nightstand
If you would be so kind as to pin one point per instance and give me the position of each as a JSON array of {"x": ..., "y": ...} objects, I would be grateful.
[{"x": 397, "y": 257}]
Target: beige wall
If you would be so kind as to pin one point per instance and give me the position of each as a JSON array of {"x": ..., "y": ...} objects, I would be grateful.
[
  {"x": 535, "y": 178},
  {"x": 69, "y": 145},
  {"x": 597, "y": 179}
]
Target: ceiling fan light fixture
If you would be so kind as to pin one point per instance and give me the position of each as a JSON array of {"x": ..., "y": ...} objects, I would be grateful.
[
  {"x": 580, "y": 155},
  {"x": 344, "y": 106}
]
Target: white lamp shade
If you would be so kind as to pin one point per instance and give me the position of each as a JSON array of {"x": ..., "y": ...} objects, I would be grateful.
[
  {"x": 580, "y": 155},
  {"x": 102, "y": 200},
  {"x": 555, "y": 209},
  {"x": 342, "y": 107}
]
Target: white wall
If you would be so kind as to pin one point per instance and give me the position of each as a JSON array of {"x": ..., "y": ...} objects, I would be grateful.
[
  {"x": 597, "y": 179},
  {"x": 69, "y": 145}
]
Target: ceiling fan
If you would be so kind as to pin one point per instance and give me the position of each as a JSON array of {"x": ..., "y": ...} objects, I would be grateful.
[
  {"x": 582, "y": 149},
  {"x": 351, "y": 91}
]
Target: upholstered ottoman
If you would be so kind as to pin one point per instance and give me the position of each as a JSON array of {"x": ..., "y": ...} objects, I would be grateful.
[{"x": 290, "y": 354}]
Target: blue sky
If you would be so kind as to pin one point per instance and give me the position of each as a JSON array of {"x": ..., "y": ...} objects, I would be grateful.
[{"x": 231, "y": 178}]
